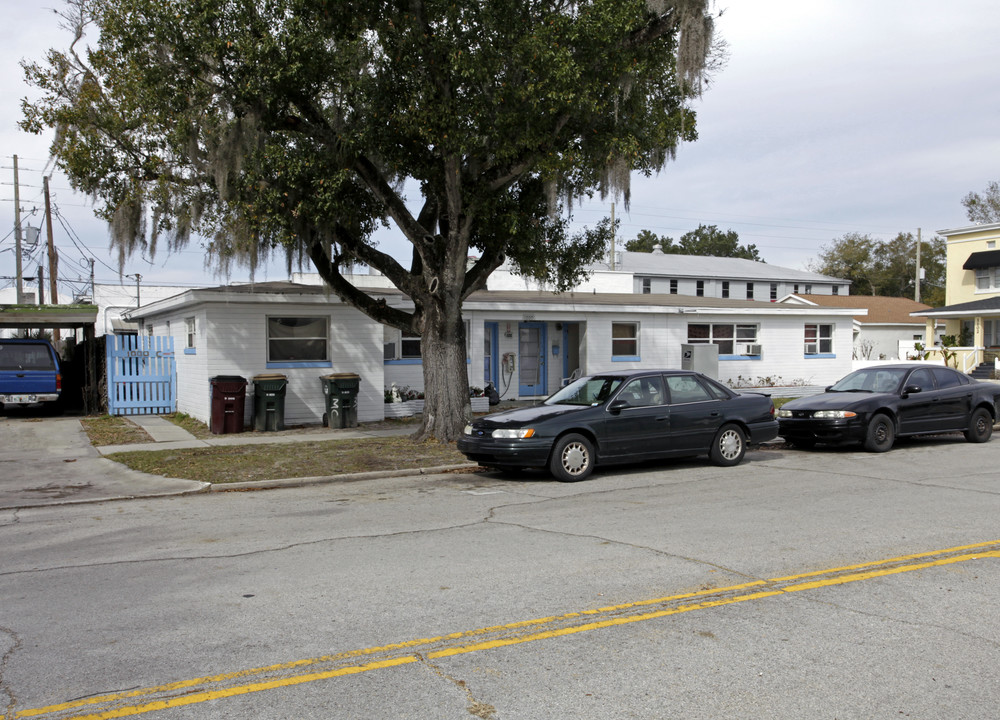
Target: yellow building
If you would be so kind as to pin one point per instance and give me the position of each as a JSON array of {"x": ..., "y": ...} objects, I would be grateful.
[{"x": 972, "y": 295}]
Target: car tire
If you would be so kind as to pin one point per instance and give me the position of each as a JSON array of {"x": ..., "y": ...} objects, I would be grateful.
[
  {"x": 572, "y": 458},
  {"x": 729, "y": 446},
  {"x": 881, "y": 433},
  {"x": 980, "y": 426}
]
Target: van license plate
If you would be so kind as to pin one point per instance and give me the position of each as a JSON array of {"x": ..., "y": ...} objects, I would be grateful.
[{"x": 19, "y": 399}]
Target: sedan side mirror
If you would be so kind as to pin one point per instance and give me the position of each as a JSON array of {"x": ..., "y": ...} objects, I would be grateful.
[
  {"x": 911, "y": 389},
  {"x": 617, "y": 406}
]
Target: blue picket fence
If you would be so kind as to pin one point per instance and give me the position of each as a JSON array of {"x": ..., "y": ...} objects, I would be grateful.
[{"x": 142, "y": 375}]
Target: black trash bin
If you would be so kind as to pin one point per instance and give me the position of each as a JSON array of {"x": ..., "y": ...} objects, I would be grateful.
[
  {"x": 229, "y": 394},
  {"x": 269, "y": 402},
  {"x": 341, "y": 393}
]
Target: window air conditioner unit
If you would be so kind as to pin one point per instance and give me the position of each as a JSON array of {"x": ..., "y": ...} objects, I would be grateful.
[
  {"x": 812, "y": 348},
  {"x": 747, "y": 349}
]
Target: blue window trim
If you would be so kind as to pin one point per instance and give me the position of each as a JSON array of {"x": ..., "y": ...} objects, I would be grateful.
[
  {"x": 626, "y": 358},
  {"x": 190, "y": 351},
  {"x": 740, "y": 357},
  {"x": 311, "y": 364},
  {"x": 821, "y": 356},
  {"x": 405, "y": 361}
]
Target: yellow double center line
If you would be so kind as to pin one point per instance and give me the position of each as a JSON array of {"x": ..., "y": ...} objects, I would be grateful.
[{"x": 215, "y": 687}]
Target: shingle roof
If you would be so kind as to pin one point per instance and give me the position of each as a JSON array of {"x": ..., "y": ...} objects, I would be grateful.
[{"x": 881, "y": 310}]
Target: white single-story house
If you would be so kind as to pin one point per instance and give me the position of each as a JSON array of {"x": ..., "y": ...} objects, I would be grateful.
[
  {"x": 300, "y": 331},
  {"x": 885, "y": 328},
  {"x": 525, "y": 342},
  {"x": 528, "y": 342}
]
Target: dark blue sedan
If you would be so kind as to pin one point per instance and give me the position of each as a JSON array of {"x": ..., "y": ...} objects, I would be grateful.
[{"x": 624, "y": 417}]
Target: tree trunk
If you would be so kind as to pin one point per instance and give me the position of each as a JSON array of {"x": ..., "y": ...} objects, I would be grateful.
[{"x": 446, "y": 376}]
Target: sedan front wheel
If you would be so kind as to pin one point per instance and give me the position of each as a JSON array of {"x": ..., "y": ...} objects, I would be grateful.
[
  {"x": 881, "y": 433},
  {"x": 572, "y": 458}
]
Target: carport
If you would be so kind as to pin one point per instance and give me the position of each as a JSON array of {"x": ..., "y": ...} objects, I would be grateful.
[{"x": 61, "y": 317}]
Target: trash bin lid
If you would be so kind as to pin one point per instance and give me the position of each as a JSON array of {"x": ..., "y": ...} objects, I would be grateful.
[
  {"x": 342, "y": 376},
  {"x": 227, "y": 379},
  {"x": 269, "y": 376}
]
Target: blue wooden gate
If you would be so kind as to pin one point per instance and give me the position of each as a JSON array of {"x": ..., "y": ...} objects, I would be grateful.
[{"x": 142, "y": 376}]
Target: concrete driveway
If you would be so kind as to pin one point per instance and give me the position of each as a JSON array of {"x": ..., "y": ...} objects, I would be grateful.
[{"x": 49, "y": 461}]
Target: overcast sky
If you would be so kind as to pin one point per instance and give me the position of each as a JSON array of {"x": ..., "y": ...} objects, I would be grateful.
[{"x": 832, "y": 116}]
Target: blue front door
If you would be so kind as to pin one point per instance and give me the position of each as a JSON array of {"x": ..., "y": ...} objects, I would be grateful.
[{"x": 531, "y": 354}]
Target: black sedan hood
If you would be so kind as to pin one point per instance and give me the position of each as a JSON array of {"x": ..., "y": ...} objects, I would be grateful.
[
  {"x": 528, "y": 415},
  {"x": 831, "y": 401}
]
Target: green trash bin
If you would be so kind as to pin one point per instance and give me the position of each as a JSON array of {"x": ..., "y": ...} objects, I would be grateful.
[
  {"x": 269, "y": 402},
  {"x": 341, "y": 393}
]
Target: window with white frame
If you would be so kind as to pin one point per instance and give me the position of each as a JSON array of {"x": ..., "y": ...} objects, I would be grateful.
[
  {"x": 699, "y": 288},
  {"x": 732, "y": 338},
  {"x": 818, "y": 339},
  {"x": 149, "y": 330},
  {"x": 749, "y": 291},
  {"x": 725, "y": 288},
  {"x": 673, "y": 286},
  {"x": 409, "y": 346},
  {"x": 624, "y": 339},
  {"x": 189, "y": 328},
  {"x": 647, "y": 286},
  {"x": 836, "y": 289},
  {"x": 809, "y": 289},
  {"x": 298, "y": 339},
  {"x": 774, "y": 291},
  {"x": 988, "y": 278}
]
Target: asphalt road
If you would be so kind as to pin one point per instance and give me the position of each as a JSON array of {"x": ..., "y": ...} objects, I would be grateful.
[{"x": 826, "y": 584}]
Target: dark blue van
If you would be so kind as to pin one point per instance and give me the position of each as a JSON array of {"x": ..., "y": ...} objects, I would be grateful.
[{"x": 29, "y": 372}]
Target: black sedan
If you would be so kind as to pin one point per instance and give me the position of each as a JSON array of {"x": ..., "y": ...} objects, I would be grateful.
[
  {"x": 876, "y": 405},
  {"x": 623, "y": 417}
]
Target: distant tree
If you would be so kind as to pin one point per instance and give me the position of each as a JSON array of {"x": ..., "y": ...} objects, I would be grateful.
[
  {"x": 886, "y": 267},
  {"x": 646, "y": 239},
  {"x": 985, "y": 208},
  {"x": 709, "y": 240},
  {"x": 706, "y": 240}
]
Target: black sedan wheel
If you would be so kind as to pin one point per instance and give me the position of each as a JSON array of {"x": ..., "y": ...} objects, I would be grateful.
[
  {"x": 572, "y": 458},
  {"x": 980, "y": 426},
  {"x": 729, "y": 446},
  {"x": 881, "y": 434}
]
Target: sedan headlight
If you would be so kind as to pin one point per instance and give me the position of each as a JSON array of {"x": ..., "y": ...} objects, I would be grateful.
[
  {"x": 513, "y": 433},
  {"x": 783, "y": 413},
  {"x": 834, "y": 414},
  {"x": 468, "y": 430}
]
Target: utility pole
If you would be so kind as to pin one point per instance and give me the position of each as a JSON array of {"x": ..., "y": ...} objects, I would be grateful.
[
  {"x": 19, "y": 270},
  {"x": 138, "y": 277},
  {"x": 53, "y": 256},
  {"x": 41, "y": 284},
  {"x": 916, "y": 284}
]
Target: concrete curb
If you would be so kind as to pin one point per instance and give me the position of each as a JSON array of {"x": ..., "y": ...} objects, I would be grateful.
[
  {"x": 203, "y": 488},
  {"x": 326, "y": 479}
]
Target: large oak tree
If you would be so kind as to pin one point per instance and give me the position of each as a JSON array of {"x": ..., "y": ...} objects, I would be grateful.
[{"x": 301, "y": 125}]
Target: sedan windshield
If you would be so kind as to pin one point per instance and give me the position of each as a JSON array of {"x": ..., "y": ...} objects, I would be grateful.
[
  {"x": 875, "y": 380},
  {"x": 586, "y": 391}
]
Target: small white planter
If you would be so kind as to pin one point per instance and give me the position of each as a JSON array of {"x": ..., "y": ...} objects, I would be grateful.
[
  {"x": 480, "y": 404},
  {"x": 398, "y": 410}
]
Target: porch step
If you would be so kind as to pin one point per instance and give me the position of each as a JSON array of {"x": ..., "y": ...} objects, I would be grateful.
[{"x": 983, "y": 371}]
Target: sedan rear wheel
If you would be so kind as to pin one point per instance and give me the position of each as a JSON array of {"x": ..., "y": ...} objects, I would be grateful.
[
  {"x": 572, "y": 458},
  {"x": 729, "y": 446},
  {"x": 980, "y": 426},
  {"x": 881, "y": 433}
]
